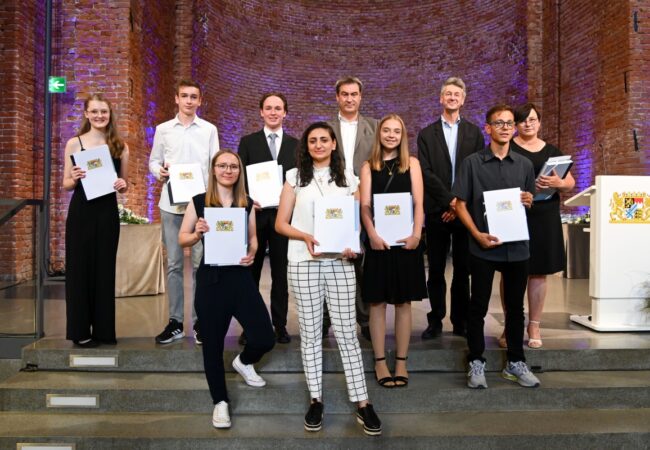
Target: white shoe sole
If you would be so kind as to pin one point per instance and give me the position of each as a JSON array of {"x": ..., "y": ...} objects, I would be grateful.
[
  {"x": 176, "y": 337},
  {"x": 314, "y": 428},
  {"x": 368, "y": 431},
  {"x": 221, "y": 424},
  {"x": 253, "y": 383},
  {"x": 515, "y": 379}
]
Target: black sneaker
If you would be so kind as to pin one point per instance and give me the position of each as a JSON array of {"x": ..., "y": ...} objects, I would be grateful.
[
  {"x": 314, "y": 416},
  {"x": 197, "y": 334},
  {"x": 172, "y": 332},
  {"x": 368, "y": 418}
]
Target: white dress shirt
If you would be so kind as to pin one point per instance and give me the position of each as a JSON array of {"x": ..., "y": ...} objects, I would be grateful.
[
  {"x": 349, "y": 138},
  {"x": 450, "y": 130},
  {"x": 175, "y": 143}
]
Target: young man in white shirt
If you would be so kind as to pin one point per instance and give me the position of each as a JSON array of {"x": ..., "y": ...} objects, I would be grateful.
[{"x": 185, "y": 139}]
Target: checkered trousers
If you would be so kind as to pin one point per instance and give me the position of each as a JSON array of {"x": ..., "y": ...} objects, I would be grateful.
[{"x": 333, "y": 281}]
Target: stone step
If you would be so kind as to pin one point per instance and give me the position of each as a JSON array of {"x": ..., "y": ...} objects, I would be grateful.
[
  {"x": 575, "y": 429},
  {"x": 287, "y": 393},
  {"x": 446, "y": 354}
]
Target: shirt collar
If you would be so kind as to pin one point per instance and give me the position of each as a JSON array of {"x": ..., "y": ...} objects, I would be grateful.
[
  {"x": 444, "y": 122},
  {"x": 344, "y": 120},
  {"x": 196, "y": 121},
  {"x": 267, "y": 132},
  {"x": 487, "y": 155}
]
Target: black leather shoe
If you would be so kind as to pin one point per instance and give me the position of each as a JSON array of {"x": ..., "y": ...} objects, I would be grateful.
[
  {"x": 460, "y": 331},
  {"x": 242, "y": 339},
  {"x": 367, "y": 417},
  {"x": 432, "y": 332},
  {"x": 365, "y": 332},
  {"x": 314, "y": 416},
  {"x": 281, "y": 335}
]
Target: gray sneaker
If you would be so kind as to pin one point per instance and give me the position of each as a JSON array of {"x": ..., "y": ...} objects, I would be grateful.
[
  {"x": 519, "y": 373},
  {"x": 476, "y": 375}
]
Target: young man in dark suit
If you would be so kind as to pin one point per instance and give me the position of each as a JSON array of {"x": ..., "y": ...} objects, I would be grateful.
[
  {"x": 355, "y": 136},
  {"x": 272, "y": 143},
  {"x": 442, "y": 147}
]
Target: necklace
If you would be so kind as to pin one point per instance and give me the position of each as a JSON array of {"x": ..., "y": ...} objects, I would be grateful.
[{"x": 391, "y": 168}]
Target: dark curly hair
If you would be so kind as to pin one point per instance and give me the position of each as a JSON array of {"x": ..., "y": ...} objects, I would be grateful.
[{"x": 305, "y": 162}]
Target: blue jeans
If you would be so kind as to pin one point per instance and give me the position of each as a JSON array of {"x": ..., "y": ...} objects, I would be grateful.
[{"x": 171, "y": 224}]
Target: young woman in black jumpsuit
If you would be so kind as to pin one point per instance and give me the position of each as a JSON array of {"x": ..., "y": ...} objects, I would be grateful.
[
  {"x": 92, "y": 232},
  {"x": 224, "y": 292}
]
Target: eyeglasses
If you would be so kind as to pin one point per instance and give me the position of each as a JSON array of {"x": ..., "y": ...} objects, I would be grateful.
[
  {"x": 224, "y": 167},
  {"x": 530, "y": 120},
  {"x": 498, "y": 124}
]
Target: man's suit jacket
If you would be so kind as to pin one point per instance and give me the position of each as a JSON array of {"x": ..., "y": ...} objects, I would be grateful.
[
  {"x": 436, "y": 163},
  {"x": 366, "y": 129},
  {"x": 254, "y": 148}
]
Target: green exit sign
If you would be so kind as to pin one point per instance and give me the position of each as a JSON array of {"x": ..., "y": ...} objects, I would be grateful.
[{"x": 56, "y": 85}]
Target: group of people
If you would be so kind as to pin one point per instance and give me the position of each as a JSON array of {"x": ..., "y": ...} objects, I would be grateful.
[{"x": 351, "y": 155}]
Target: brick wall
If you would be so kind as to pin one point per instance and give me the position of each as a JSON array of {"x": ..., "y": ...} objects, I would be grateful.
[
  {"x": 573, "y": 58},
  {"x": 402, "y": 50}
]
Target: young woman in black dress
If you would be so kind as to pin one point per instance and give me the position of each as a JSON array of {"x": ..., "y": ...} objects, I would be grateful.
[
  {"x": 92, "y": 231},
  {"x": 224, "y": 292},
  {"x": 392, "y": 275}
]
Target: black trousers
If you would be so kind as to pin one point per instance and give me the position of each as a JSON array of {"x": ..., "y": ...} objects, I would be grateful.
[
  {"x": 439, "y": 236},
  {"x": 233, "y": 295},
  {"x": 278, "y": 247},
  {"x": 515, "y": 279}
]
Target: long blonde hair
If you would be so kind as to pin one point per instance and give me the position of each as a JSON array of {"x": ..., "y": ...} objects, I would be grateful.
[
  {"x": 376, "y": 159},
  {"x": 113, "y": 139},
  {"x": 239, "y": 190}
]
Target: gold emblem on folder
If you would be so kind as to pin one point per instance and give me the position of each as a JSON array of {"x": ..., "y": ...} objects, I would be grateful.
[
  {"x": 225, "y": 225},
  {"x": 94, "y": 164},
  {"x": 505, "y": 205},
  {"x": 629, "y": 207},
  {"x": 391, "y": 210},
  {"x": 185, "y": 175},
  {"x": 263, "y": 176},
  {"x": 333, "y": 213}
]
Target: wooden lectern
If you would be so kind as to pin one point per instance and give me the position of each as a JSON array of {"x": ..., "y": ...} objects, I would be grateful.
[{"x": 619, "y": 268}]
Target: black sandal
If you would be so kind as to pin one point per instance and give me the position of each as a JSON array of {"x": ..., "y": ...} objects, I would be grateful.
[
  {"x": 383, "y": 382},
  {"x": 401, "y": 381}
]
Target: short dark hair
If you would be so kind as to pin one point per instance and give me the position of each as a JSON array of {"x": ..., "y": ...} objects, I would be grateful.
[
  {"x": 497, "y": 109},
  {"x": 348, "y": 80},
  {"x": 522, "y": 113},
  {"x": 275, "y": 94},
  {"x": 188, "y": 83}
]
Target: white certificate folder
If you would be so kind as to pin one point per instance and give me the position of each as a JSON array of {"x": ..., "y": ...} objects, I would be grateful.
[
  {"x": 336, "y": 224},
  {"x": 393, "y": 216},
  {"x": 100, "y": 171},
  {"x": 185, "y": 181},
  {"x": 226, "y": 242},
  {"x": 506, "y": 215},
  {"x": 265, "y": 183}
]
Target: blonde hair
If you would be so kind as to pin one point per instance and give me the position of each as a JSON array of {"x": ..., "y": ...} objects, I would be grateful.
[
  {"x": 376, "y": 159},
  {"x": 239, "y": 189}
]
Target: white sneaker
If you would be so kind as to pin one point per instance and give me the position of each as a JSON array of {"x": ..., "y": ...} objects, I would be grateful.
[
  {"x": 220, "y": 415},
  {"x": 519, "y": 373},
  {"x": 476, "y": 375},
  {"x": 248, "y": 372}
]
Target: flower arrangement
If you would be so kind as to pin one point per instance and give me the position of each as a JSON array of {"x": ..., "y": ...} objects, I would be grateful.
[
  {"x": 129, "y": 217},
  {"x": 576, "y": 219}
]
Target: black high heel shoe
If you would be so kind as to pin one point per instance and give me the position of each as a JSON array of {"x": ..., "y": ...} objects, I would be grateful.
[
  {"x": 401, "y": 381},
  {"x": 383, "y": 382},
  {"x": 86, "y": 343}
]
